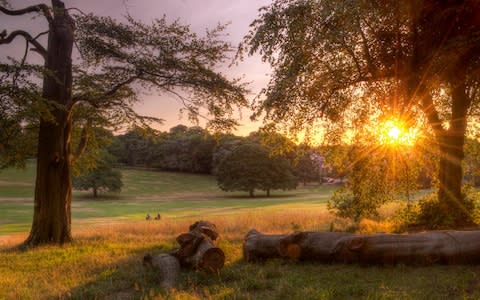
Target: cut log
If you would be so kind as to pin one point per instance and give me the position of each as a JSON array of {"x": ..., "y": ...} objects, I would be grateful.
[
  {"x": 208, "y": 257},
  {"x": 198, "y": 248},
  {"x": 166, "y": 267},
  {"x": 444, "y": 247},
  {"x": 205, "y": 227},
  {"x": 258, "y": 246},
  {"x": 318, "y": 246}
]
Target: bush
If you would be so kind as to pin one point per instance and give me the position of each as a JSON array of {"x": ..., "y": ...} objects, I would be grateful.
[
  {"x": 429, "y": 213},
  {"x": 345, "y": 203}
]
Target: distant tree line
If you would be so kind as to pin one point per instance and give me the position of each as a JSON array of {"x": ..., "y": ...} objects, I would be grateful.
[
  {"x": 259, "y": 161},
  {"x": 196, "y": 150}
]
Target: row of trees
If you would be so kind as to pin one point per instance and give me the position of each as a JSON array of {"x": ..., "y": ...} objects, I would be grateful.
[
  {"x": 375, "y": 174},
  {"x": 240, "y": 163}
]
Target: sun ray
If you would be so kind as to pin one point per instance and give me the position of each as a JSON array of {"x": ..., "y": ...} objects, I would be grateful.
[{"x": 394, "y": 132}]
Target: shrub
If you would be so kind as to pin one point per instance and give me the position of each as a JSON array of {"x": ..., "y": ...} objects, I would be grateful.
[{"x": 429, "y": 213}]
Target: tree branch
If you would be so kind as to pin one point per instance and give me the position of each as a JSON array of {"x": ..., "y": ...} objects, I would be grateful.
[
  {"x": 43, "y": 8},
  {"x": 85, "y": 96},
  {"x": 38, "y": 47}
]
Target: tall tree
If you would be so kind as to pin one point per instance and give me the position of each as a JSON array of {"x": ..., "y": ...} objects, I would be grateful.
[
  {"x": 349, "y": 61},
  {"x": 117, "y": 60}
]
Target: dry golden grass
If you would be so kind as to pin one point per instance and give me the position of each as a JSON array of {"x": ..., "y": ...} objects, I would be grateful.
[
  {"x": 101, "y": 251},
  {"x": 105, "y": 262}
]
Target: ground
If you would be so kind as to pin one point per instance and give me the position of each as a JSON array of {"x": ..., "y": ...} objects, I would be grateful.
[{"x": 111, "y": 237}]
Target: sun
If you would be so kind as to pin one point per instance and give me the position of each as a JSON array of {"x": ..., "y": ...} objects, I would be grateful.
[{"x": 394, "y": 132}]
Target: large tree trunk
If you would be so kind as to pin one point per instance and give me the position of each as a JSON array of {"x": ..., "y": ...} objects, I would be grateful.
[
  {"x": 451, "y": 143},
  {"x": 53, "y": 189}
]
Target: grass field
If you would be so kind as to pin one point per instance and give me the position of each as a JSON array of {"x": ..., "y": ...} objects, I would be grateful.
[
  {"x": 111, "y": 237},
  {"x": 173, "y": 195}
]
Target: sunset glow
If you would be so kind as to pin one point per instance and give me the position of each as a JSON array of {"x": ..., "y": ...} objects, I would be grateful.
[{"x": 395, "y": 132}]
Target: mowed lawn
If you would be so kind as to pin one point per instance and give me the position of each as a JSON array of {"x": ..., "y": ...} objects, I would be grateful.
[{"x": 173, "y": 195}]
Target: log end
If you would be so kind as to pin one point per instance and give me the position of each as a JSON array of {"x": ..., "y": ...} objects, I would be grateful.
[
  {"x": 213, "y": 260},
  {"x": 166, "y": 267},
  {"x": 294, "y": 251}
]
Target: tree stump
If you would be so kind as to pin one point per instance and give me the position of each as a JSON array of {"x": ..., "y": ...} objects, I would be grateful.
[
  {"x": 166, "y": 266},
  {"x": 258, "y": 246}
]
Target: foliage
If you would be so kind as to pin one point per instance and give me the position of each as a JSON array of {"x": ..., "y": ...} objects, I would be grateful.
[
  {"x": 376, "y": 174},
  {"x": 250, "y": 167},
  {"x": 117, "y": 61},
  {"x": 161, "y": 56},
  {"x": 353, "y": 63},
  {"x": 429, "y": 213},
  {"x": 186, "y": 150},
  {"x": 101, "y": 177},
  {"x": 472, "y": 162}
]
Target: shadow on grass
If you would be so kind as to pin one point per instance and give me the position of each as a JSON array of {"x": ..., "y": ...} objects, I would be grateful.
[{"x": 123, "y": 279}]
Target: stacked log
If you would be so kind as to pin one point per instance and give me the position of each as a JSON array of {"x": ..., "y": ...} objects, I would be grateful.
[
  {"x": 198, "y": 250},
  {"x": 445, "y": 247}
]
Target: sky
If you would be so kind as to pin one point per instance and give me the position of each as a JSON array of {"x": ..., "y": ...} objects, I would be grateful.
[{"x": 200, "y": 14}]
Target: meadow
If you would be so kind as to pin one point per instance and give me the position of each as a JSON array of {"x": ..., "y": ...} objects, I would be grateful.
[
  {"x": 111, "y": 236},
  {"x": 173, "y": 195}
]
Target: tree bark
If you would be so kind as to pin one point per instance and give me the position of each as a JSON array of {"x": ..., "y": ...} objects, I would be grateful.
[
  {"x": 53, "y": 188},
  {"x": 258, "y": 246},
  {"x": 95, "y": 192},
  {"x": 198, "y": 248},
  {"x": 434, "y": 247},
  {"x": 316, "y": 246},
  {"x": 451, "y": 143},
  {"x": 251, "y": 193},
  {"x": 166, "y": 266}
]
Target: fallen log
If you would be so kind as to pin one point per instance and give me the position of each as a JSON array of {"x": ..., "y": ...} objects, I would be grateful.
[
  {"x": 442, "y": 247},
  {"x": 258, "y": 246},
  {"x": 433, "y": 247},
  {"x": 166, "y": 266},
  {"x": 318, "y": 246}
]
